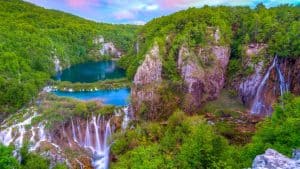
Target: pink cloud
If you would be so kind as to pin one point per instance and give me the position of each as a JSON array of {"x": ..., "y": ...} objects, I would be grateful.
[
  {"x": 81, "y": 4},
  {"x": 174, "y": 3},
  {"x": 124, "y": 14}
]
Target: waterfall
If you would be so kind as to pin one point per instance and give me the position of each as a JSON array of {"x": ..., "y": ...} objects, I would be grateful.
[
  {"x": 258, "y": 103},
  {"x": 73, "y": 131},
  {"x": 283, "y": 84},
  {"x": 98, "y": 143},
  {"x": 126, "y": 118},
  {"x": 101, "y": 156},
  {"x": 57, "y": 67},
  {"x": 87, "y": 142},
  {"x": 94, "y": 135}
]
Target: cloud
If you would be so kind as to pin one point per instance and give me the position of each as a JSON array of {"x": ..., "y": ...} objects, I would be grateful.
[
  {"x": 124, "y": 14},
  {"x": 138, "y": 22},
  {"x": 151, "y": 7},
  {"x": 82, "y": 4},
  {"x": 168, "y": 4}
]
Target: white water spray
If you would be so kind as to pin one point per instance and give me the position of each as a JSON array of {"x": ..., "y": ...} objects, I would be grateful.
[{"x": 258, "y": 103}]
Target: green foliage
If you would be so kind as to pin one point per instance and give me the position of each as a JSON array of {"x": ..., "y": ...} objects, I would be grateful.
[
  {"x": 60, "y": 166},
  {"x": 32, "y": 160},
  {"x": 106, "y": 84},
  {"x": 7, "y": 161},
  {"x": 280, "y": 131},
  {"x": 31, "y": 37},
  {"x": 185, "y": 142}
]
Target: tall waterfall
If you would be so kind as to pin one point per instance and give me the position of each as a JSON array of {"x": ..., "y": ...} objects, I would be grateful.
[
  {"x": 258, "y": 103},
  {"x": 283, "y": 84}
]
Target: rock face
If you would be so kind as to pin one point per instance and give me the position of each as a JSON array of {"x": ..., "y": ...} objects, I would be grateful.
[
  {"x": 248, "y": 86},
  {"x": 274, "y": 160},
  {"x": 146, "y": 81},
  {"x": 203, "y": 73},
  {"x": 110, "y": 49},
  {"x": 107, "y": 48}
]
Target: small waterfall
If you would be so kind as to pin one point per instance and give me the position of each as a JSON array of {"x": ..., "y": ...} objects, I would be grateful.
[
  {"x": 126, "y": 118},
  {"x": 283, "y": 84},
  {"x": 258, "y": 103},
  {"x": 87, "y": 142},
  {"x": 57, "y": 67},
  {"x": 73, "y": 131}
]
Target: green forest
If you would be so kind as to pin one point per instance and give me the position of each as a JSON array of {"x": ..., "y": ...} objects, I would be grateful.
[
  {"x": 277, "y": 27},
  {"x": 30, "y": 38}
]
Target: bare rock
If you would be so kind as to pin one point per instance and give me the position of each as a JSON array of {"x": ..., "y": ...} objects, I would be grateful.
[
  {"x": 203, "y": 73},
  {"x": 146, "y": 83},
  {"x": 271, "y": 159},
  {"x": 151, "y": 68}
]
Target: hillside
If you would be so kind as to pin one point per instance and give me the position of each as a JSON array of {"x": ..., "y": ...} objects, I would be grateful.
[
  {"x": 31, "y": 38},
  {"x": 210, "y": 87}
]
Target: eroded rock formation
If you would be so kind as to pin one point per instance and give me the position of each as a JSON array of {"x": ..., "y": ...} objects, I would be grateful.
[
  {"x": 203, "y": 73},
  {"x": 146, "y": 81}
]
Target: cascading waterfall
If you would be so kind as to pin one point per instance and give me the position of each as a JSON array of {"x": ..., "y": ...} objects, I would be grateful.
[
  {"x": 93, "y": 135},
  {"x": 283, "y": 84},
  {"x": 258, "y": 103}
]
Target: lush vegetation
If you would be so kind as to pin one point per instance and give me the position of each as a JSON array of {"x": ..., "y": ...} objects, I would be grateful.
[
  {"x": 29, "y": 160},
  {"x": 56, "y": 110},
  {"x": 280, "y": 131},
  {"x": 190, "y": 142},
  {"x": 30, "y": 39},
  {"x": 182, "y": 142},
  {"x": 106, "y": 84},
  {"x": 277, "y": 27}
]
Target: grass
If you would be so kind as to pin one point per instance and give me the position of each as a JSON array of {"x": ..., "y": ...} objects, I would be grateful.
[{"x": 226, "y": 103}]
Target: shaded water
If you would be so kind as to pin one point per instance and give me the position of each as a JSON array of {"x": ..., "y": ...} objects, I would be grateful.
[{"x": 91, "y": 72}]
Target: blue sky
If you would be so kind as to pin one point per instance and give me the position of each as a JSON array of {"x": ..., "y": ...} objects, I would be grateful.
[{"x": 139, "y": 11}]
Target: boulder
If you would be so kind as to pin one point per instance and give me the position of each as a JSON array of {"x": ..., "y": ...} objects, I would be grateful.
[{"x": 271, "y": 159}]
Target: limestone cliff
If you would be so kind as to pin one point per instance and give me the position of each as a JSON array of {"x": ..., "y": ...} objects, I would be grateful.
[
  {"x": 146, "y": 82},
  {"x": 203, "y": 73}
]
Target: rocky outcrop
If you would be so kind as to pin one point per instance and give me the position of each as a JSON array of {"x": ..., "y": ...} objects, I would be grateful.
[
  {"x": 247, "y": 86},
  {"x": 110, "y": 49},
  {"x": 146, "y": 81},
  {"x": 203, "y": 73},
  {"x": 271, "y": 159},
  {"x": 107, "y": 48}
]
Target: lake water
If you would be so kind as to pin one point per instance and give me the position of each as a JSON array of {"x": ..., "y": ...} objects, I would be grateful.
[
  {"x": 91, "y": 72},
  {"x": 117, "y": 97}
]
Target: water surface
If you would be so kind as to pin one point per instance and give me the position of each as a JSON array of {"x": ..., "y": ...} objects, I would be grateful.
[
  {"x": 117, "y": 97},
  {"x": 91, "y": 72}
]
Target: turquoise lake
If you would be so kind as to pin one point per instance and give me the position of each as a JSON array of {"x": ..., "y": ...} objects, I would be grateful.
[
  {"x": 117, "y": 97},
  {"x": 91, "y": 72}
]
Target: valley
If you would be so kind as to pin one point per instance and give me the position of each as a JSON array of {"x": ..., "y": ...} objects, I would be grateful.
[{"x": 210, "y": 87}]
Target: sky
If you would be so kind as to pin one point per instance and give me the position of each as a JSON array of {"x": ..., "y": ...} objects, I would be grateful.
[{"x": 139, "y": 11}]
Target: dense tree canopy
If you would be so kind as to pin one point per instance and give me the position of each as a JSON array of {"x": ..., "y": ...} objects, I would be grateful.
[{"x": 277, "y": 27}]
